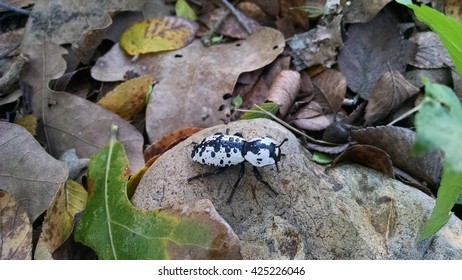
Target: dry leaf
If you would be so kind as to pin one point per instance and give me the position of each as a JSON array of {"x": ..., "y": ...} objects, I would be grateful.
[
  {"x": 59, "y": 220},
  {"x": 29, "y": 122},
  {"x": 158, "y": 34},
  {"x": 168, "y": 141},
  {"x": 15, "y": 230},
  {"x": 284, "y": 90},
  {"x": 331, "y": 89},
  {"x": 369, "y": 156},
  {"x": 10, "y": 41},
  {"x": 397, "y": 143},
  {"x": 367, "y": 54},
  {"x": 46, "y": 63},
  {"x": 128, "y": 98},
  {"x": 92, "y": 130},
  {"x": 192, "y": 80},
  {"x": 430, "y": 52},
  {"x": 391, "y": 90},
  {"x": 29, "y": 173}
]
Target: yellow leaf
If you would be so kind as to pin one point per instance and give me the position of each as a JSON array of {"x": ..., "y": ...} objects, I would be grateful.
[
  {"x": 128, "y": 98},
  {"x": 158, "y": 34},
  {"x": 182, "y": 9},
  {"x": 29, "y": 122}
]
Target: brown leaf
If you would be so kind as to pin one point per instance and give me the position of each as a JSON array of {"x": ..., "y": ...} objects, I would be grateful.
[
  {"x": 391, "y": 90},
  {"x": 284, "y": 90},
  {"x": 207, "y": 73},
  {"x": 15, "y": 230},
  {"x": 311, "y": 117},
  {"x": 397, "y": 143},
  {"x": 92, "y": 130},
  {"x": 169, "y": 141},
  {"x": 430, "y": 52},
  {"x": 367, "y": 54},
  {"x": 28, "y": 173},
  {"x": 59, "y": 23},
  {"x": 369, "y": 156},
  {"x": 331, "y": 88}
]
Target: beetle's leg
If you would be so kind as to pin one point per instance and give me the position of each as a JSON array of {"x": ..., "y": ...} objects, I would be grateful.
[
  {"x": 206, "y": 174},
  {"x": 241, "y": 174},
  {"x": 258, "y": 176}
]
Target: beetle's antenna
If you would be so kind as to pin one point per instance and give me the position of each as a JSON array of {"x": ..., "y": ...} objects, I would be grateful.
[{"x": 285, "y": 139}]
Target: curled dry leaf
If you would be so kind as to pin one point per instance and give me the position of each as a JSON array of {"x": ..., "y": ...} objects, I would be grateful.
[
  {"x": 158, "y": 34},
  {"x": 430, "y": 52},
  {"x": 128, "y": 98},
  {"x": 29, "y": 173},
  {"x": 317, "y": 46},
  {"x": 367, "y": 54},
  {"x": 369, "y": 156},
  {"x": 168, "y": 141},
  {"x": 284, "y": 90},
  {"x": 397, "y": 143},
  {"x": 192, "y": 80},
  {"x": 331, "y": 88},
  {"x": 15, "y": 230},
  {"x": 311, "y": 117},
  {"x": 59, "y": 220},
  {"x": 391, "y": 90}
]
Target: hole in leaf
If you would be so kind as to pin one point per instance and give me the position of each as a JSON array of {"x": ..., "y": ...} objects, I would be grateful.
[
  {"x": 227, "y": 96},
  {"x": 275, "y": 47}
]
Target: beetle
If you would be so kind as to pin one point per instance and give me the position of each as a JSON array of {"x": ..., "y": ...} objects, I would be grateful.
[{"x": 224, "y": 150}]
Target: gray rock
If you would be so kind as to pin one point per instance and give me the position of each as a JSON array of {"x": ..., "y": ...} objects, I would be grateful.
[{"x": 348, "y": 212}]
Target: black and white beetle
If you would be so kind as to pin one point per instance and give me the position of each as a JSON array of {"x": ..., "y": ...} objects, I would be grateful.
[{"x": 223, "y": 150}]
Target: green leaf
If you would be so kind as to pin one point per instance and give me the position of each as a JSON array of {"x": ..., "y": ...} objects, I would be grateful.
[
  {"x": 449, "y": 30},
  {"x": 322, "y": 158},
  {"x": 182, "y": 9},
  {"x": 115, "y": 229},
  {"x": 441, "y": 112},
  {"x": 448, "y": 193},
  {"x": 256, "y": 112}
]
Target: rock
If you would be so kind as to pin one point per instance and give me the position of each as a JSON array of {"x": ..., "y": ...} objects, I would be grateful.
[{"x": 348, "y": 212}]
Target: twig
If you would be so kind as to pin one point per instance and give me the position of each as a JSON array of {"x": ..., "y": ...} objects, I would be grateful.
[
  {"x": 301, "y": 133},
  {"x": 14, "y": 9},
  {"x": 238, "y": 15},
  {"x": 406, "y": 114}
]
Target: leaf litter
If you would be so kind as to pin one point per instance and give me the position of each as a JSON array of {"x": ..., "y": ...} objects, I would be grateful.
[{"x": 353, "y": 80}]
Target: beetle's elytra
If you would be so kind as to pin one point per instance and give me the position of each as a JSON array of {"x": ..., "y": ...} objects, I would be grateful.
[{"x": 223, "y": 150}]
